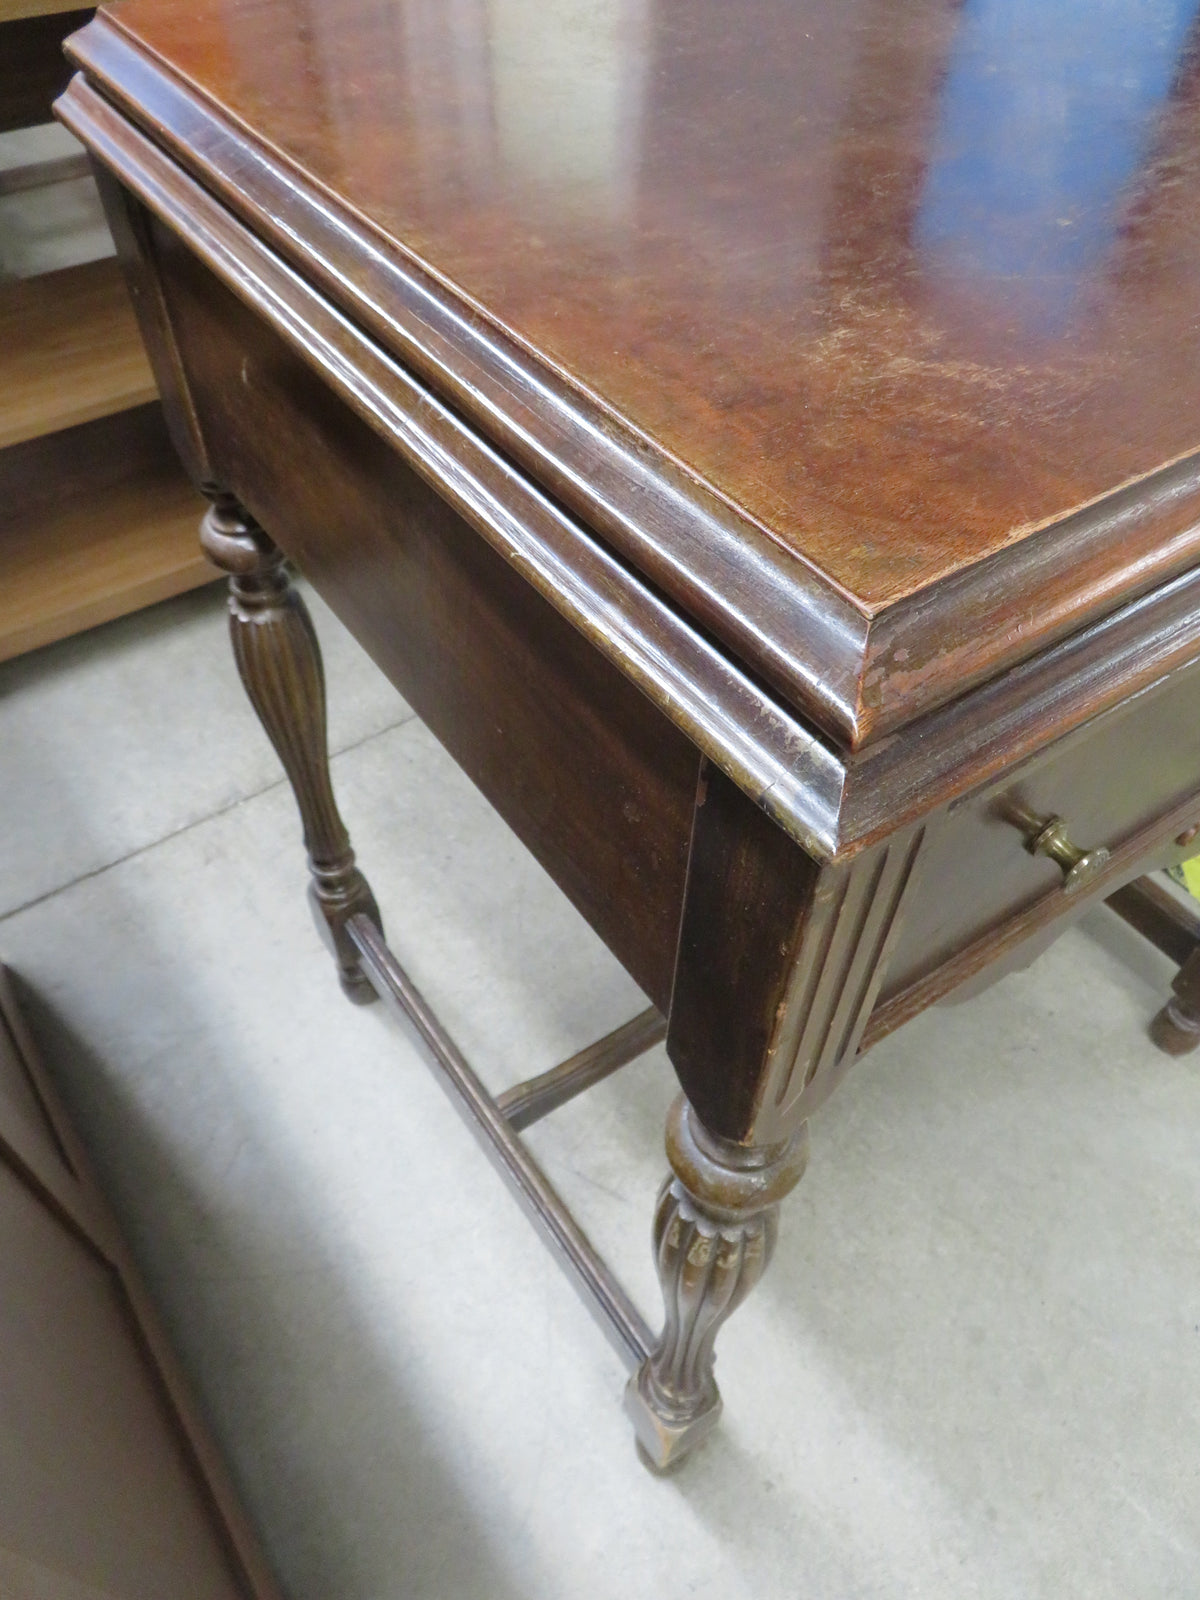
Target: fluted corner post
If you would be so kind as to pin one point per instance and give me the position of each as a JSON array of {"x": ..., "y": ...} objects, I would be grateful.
[
  {"x": 279, "y": 659},
  {"x": 714, "y": 1230}
]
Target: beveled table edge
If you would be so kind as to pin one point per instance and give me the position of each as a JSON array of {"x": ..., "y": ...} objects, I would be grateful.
[
  {"x": 728, "y": 715},
  {"x": 783, "y": 617},
  {"x": 834, "y": 803},
  {"x": 857, "y": 676}
]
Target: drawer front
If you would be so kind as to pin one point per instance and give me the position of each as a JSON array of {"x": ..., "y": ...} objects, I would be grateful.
[{"x": 1128, "y": 780}]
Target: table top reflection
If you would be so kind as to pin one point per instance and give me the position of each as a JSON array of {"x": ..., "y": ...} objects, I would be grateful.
[{"x": 901, "y": 283}]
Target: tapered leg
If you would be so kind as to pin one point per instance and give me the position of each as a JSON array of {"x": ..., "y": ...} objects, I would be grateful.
[
  {"x": 714, "y": 1230},
  {"x": 276, "y": 649}
]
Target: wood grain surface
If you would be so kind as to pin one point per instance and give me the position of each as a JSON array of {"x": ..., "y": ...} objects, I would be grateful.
[
  {"x": 69, "y": 351},
  {"x": 884, "y": 416},
  {"x": 96, "y": 522},
  {"x": 832, "y": 802}
]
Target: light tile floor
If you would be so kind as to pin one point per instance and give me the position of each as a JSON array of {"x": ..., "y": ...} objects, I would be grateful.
[{"x": 973, "y": 1369}]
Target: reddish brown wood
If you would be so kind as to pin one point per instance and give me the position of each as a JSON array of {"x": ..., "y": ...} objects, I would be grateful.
[
  {"x": 1148, "y": 848},
  {"x": 129, "y": 225},
  {"x": 714, "y": 451},
  {"x": 829, "y": 801},
  {"x": 779, "y": 963},
  {"x": 1173, "y": 926},
  {"x": 923, "y": 462},
  {"x": 577, "y": 760},
  {"x": 1169, "y": 922},
  {"x": 1110, "y": 780},
  {"x": 275, "y": 646},
  {"x": 715, "y": 1228},
  {"x": 1176, "y": 1028}
]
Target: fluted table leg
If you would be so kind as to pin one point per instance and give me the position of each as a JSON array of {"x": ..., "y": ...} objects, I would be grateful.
[
  {"x": 714, "y": 1230},
  {"x": 279, "y": 659}
]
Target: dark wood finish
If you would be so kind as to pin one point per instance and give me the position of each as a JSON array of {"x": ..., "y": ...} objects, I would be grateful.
[
  {"x": 1176, "y": 1028},
  {"x": 778, "y": 966},
  {"x": 1149, "y": 847},
  {"x": 921, "y": 459},
  {"x": 94, "y": 522},
  {"x": 578, "y": 761},
  {"x": 1160, "y": 916},
  {"x": 1110, "y": 780},
  {"x": 1174, "y": 927},
  {"x": 33, "y": 69},
  {"x": 275, "y": 646},
  {"x": 605, "y": 1298},
  {"x": 750, "y": 899},
  {"x": 765, "y": 447},
  {"x": 528, "y": 1102},
  {"x": 109, "y": 1482},
  {"x": 715, "y": 1226},
  {"x": 830, "y": 801},
  {"x": 129, "y": 225}
]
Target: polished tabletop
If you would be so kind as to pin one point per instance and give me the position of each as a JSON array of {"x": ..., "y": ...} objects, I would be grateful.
[{"x": 902, "y": 283}]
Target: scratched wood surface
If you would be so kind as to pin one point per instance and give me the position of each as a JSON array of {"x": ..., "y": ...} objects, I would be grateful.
[{"x": 885, "y": 374}]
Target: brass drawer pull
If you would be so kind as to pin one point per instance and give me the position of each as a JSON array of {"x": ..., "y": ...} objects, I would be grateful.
[{"x": 1079, "y": 866}]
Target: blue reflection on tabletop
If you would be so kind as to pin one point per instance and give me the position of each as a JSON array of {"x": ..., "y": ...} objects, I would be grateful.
[{"x": 1047, "y": 111}]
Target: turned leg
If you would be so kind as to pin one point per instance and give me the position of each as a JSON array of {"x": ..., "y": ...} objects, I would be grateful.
[
  {"x": 714, "y": 1230},
  {"x": 1172, "y": 925},
  {"x": 779, "y": 961},
  {"x": 1176, "y": 1028},
  {"x": 276, "y": 649}
]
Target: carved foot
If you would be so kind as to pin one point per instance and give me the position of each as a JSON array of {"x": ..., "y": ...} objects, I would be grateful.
[
  {"x": 1176, "y": 1028},
  {"x": 279, "y": 659},
  {"x": 714, "y": 1231}
]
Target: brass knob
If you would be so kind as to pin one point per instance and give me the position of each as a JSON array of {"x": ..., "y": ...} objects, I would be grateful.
[{"x": 1079, "y": 866}]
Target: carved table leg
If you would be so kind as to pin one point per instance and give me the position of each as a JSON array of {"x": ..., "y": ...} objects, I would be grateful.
[
  {"x": 779, "y": 962},
  {"x": 276, "y": 649},
  {"x": 1176, "y": 1028},
  {"x": 714, "y": 1231}
]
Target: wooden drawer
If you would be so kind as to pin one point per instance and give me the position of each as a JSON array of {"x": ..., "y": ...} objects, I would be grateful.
[{"x": 1129, "y": 780}]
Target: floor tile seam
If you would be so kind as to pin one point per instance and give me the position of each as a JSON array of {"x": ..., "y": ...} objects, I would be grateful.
[{"x": 196, "y": 822}]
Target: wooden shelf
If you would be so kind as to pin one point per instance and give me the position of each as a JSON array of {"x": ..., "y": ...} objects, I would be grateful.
[
  {"x": 116, "y": 530},
  {"x": 96, "y": 517},
  {"x": 70, "y": 351},
  {"x": 18, "y": 10}
]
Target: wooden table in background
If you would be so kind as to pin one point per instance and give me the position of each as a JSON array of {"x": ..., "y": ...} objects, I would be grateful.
[{"x": 764, "y": 454}]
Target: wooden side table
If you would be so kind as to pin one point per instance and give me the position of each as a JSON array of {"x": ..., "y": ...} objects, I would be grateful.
[{"x": 784, "y": 516}]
